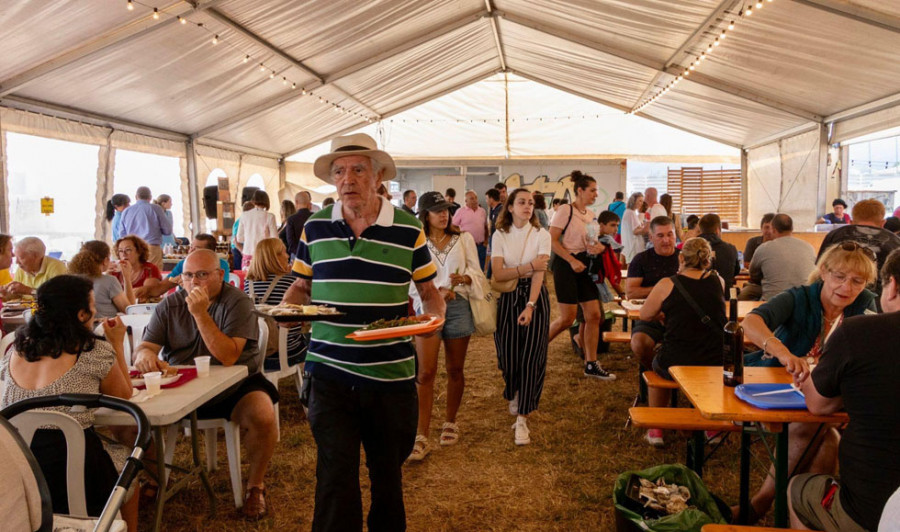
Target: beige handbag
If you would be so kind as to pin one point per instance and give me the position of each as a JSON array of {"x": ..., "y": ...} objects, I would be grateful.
[{"x": 510, "y": 285}]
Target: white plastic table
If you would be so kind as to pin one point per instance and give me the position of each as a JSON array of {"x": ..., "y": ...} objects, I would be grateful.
[{"x": 166, "y": 410}]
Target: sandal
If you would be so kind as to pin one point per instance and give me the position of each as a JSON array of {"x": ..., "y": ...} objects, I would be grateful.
[
  {"x": 449, "y": 434},
  {"x": 420, "y": 449}
]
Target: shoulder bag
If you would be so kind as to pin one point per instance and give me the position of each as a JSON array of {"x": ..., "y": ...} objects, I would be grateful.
[{"x": 510, "y": 285}]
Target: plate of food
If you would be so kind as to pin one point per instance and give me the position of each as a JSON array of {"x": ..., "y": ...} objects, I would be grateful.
[
  {"x": 169, "y": 375},
  {"x": 17, "y": 305},
  {"x": 633, "y": 304},
  {"x": 398, "y": 327},
  {"x": 289, "y": 312}
]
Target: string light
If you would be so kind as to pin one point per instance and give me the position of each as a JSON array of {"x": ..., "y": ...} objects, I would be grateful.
[
  {"x": 247, "y": 57},
  {"x": 692, "y": 66}
]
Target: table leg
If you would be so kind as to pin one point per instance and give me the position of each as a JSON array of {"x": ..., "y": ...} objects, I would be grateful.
[
  {"x": 160, "y": 475},
  {"x": 195, "y": 451},
  {"x": 781, "y": 477},
  {"x": 744, "y": 500}
]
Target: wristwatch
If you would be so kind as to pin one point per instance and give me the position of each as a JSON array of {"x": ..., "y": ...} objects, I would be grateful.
[{"x": 530, "y": 305}]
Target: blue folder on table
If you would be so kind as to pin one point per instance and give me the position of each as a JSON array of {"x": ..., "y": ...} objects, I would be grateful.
[{"x": 788, "y": 401}]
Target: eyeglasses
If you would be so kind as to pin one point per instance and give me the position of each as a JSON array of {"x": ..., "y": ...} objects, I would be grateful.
[
  {"x": 850, "y": 245},
  {"x": 125, "y": 251},
  {"x": 200, "y": 275},
  {"x": 841, "y": 278}
]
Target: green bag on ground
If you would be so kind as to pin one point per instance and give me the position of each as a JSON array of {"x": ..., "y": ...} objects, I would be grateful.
[{"x": 692, "y": 519}]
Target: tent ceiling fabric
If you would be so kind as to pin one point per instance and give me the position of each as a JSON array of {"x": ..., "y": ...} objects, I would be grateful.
[{"x": 779, "y": 70}]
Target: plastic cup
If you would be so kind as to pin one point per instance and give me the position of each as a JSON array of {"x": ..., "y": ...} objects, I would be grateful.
[
  {"x": 202, "y": 364},
  {"x": 152, "y": 381}
]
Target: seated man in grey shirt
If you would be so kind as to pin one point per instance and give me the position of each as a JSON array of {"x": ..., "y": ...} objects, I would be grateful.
[
  {"x": 212, "y": 318},
  {"x": 784, "y": 262}
]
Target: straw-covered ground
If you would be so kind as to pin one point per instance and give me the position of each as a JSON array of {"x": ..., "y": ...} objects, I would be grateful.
[{"x": 562, "y": 481}]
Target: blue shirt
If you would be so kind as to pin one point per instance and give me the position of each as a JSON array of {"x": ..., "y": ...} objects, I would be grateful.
[
  {"x": 176, "y": 271},
  {"x": 147, "y": 221},
  {"x": 169, "y": 239},
  {"x": 117, "y": 225},
  {"x": 618, "y": 207}
]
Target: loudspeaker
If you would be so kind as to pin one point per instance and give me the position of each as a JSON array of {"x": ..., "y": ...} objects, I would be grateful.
[
  {"x": 247, "y": 194},
  {"x": 210, "y": 196}
]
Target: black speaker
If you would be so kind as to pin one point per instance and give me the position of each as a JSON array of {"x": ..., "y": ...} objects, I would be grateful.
[
  {"x": 210, "y": 196},
  {"x": 247, "y": 194}
]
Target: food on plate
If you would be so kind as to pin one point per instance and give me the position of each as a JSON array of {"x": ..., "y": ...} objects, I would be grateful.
[
  {"x": 170, "y": 371},
  {"x": 290, "y": 309},
  {"x": 397, "y": 322}
]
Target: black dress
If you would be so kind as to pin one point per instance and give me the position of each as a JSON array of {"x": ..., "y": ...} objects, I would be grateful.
[{"x": 688, "y": 341}]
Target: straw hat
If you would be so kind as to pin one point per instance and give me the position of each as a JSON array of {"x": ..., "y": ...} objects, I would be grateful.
[{"x": 358, "y": 144}]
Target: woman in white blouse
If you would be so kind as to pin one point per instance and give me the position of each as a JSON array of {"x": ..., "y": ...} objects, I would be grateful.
[
  {"x": 633, "y": 227},
  {"x": 520, "y": 250},
  {"x": 459, "y": 277}
]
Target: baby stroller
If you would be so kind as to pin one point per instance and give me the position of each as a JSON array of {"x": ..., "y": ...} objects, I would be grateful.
[{"x": 26, "y": 495}]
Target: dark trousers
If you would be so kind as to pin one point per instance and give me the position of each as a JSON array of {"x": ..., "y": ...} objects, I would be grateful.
[
  {"x": 482, "y": 254},
  {"x": 341, "y": 417},
  {"x": 236, "y": 258}
]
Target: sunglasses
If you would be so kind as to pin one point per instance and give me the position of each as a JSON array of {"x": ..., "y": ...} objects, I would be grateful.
[{"x": 849, "y": 245}]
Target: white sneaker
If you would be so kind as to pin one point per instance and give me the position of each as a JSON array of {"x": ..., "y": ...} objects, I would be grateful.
[
  {"x": 514, "y": 405},
  {"x": 523, "y": 435}
]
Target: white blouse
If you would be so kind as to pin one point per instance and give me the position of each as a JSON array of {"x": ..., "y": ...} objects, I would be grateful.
[
  {"x": 632, "y": 243},
  {"x": 460, "y": 256},
  {"x": 510, "y": 245}
]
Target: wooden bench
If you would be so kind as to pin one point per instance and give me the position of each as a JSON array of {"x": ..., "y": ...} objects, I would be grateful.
[
  {"x": 617, "y": 337},
  {"x": 686, "y": 419}
]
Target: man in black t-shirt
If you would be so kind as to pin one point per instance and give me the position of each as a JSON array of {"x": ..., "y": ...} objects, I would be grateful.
[
  {"x": 866, "y": 230},
  {"x": 724, "y": 254},
  {"x": 645, "y": 270},
  {"x": 863, "y": 379}
]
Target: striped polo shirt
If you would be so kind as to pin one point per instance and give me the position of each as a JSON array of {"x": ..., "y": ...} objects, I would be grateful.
[{"x": 368, "y": 278}]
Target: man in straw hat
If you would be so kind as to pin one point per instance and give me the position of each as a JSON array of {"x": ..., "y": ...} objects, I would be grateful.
[{"x": 359, "y": 255}]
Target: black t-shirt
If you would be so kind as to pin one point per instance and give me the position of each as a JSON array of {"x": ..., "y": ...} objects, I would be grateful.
[
  {"x": 651, "y": 267},
  {"x": 750, "y": 248},
  {"x": 866, "y": 375},
  {"x": 879, "y": 240},
  {"x": 725, "y": 261},
  {"x": 688, "y": 341}
]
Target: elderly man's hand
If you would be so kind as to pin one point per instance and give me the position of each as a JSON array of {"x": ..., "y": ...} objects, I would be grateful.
[
  {"x": 147, "y": 361},
  {"x": 17, "y": 288},
  {"x": 197, "y": 301}
]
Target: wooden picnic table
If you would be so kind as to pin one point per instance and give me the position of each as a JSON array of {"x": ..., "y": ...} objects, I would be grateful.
[
  {"x": 704, "y": 387},
  {"x": 744, "y": 308}
]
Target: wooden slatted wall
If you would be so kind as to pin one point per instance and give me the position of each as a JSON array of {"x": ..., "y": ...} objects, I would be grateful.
[{"x": 698, "y": 191}]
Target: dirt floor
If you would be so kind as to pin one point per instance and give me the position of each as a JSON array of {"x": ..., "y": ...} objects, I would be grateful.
[{"x": 562, "y": 481}]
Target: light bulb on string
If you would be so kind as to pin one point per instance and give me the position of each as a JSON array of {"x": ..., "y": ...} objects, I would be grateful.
[
  {"x": 283, "y": 80},
  {"x": 723, "y": 35},
  {"x": 246, "y": 58},
  {"x": 272, "y": 75},
  {"x": 215, "y": 40},
  {"x": 303, "y": 92},
  {"x": 293, "y": 86},
  {"x": 749, "y": 10},
  {"x": 731, "y": 26},
  {"x": 262, "y": 67},
  {"x": 155, "y": 14},
  {"x": 759, "y": 5},
  {"x": 130, "y": 5},
  {"x": 716, "y": 42},
  {"x": 182, "y": 20}
]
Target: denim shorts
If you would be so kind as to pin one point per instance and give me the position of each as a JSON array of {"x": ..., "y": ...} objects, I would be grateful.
[{"x": 459, "y": 322}]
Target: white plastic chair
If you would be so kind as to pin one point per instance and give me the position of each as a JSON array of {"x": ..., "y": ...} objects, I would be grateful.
[
  {"x": 137, "y": 322},
  {"x": 27, "y": 314},
  {"x": 234, "y": 280},
  {"x": 284, "y": 370},
  {"x": 232, "y": 437},
  {"x": 140, "y": 308},
  {"x": 27, "y": 423}
]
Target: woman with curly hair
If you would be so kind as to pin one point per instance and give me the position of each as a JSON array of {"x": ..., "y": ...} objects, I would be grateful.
[
  {"x": 91, "y": 262},
  {"x": 144, "y": 274},
  {"x": 57, "y": 352}
]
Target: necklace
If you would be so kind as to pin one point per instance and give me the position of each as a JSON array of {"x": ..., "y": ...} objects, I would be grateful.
[
  {"x": 439, "y": 243},
  {"x": 582, "y": 211}
]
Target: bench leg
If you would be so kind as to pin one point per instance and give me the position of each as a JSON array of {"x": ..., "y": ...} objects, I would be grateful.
[
  {"x": 744, "y": 500},
  {"x": 695, "y": 452},
  {"x": 674, "y": 399}
]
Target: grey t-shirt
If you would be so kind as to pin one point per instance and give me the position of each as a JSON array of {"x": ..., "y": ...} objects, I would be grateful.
[
  {"x": 173, "y": 327},
  {"x": 782, "y": 263},
  {"x": 106, "y": 287}
]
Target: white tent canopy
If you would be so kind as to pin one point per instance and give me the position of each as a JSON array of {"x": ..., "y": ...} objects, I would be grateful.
[{"x": 287, "y": 75}]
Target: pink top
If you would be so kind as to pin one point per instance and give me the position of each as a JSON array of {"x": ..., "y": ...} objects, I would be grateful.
[
  {"x": 574, "y": 237},
  {"x": 472, "y": 222}
]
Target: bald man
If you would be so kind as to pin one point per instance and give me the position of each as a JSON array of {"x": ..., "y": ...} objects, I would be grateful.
[{"x": 212, "y": 318}]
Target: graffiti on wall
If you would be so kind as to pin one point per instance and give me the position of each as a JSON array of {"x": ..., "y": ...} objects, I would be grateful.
[{"x": 561, "y": 188}]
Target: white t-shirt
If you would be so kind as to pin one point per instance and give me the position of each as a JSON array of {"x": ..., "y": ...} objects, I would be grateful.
[
  {"x": 510, "y": 245},
  {"x": 574, "y": 237},
  {"x": 256, "y": 224},
  {"x": 658, "y": 210},
  {"x": 632, "y": 243}
]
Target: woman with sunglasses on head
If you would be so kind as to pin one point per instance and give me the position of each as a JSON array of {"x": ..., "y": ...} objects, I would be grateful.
[
  {"x": 521, "y": 249},
  {"x": 144, "y": 274},
  {"x": 792, "y": 328}
]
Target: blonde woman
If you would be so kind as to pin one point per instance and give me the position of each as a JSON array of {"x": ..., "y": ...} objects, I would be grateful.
[
  {"x": 109, "y": 297},
  {"x": 688, "y": 341},
  {"x": 521, "y": 249},
  {"x": 268, "y": 279}
]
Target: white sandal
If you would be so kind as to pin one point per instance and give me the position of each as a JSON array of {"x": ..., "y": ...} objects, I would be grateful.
[
  {"x": 420, "y": 449},
  {"x": 449, "y": 434}
]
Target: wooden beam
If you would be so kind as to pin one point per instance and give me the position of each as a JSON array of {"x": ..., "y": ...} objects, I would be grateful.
[
  {"x": 855, "y": 12},
  {"x": 864, "y": 109},
  {"x": 495, "y": 29},
  {"x": 115, "y": 37}
]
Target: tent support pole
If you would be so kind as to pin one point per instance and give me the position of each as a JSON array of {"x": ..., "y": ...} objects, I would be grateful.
[
  {"x": 822, "y": 174},
  {"x": 193, "y": 193},
  {"x": 745, "y": 190}
]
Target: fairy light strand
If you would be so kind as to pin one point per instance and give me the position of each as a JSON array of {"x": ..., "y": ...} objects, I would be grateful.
[
  {"x": 270, "y": 72},
  {"x": 745, "y": 12}
]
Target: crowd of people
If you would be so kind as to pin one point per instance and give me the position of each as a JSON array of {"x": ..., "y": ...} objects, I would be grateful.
[{"x": 434, "y": 256}]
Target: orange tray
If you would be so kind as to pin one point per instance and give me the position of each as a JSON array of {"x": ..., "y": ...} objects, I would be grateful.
[{"x": 429, "y": 326}]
